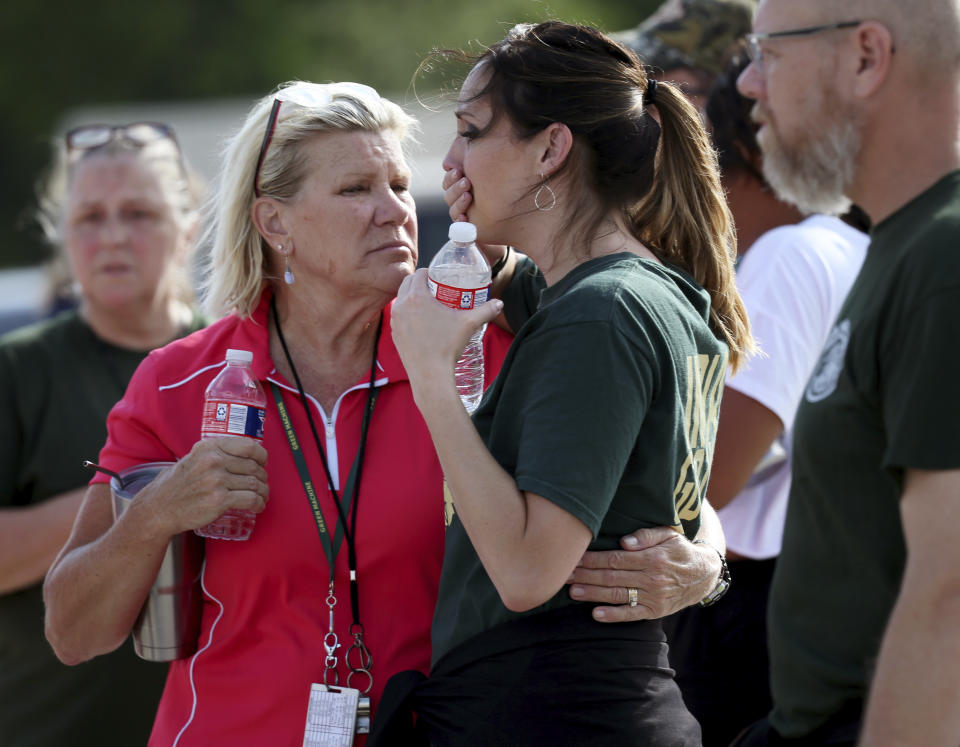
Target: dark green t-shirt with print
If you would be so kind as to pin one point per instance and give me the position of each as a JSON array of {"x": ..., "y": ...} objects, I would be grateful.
[
  {"x": 58, "y": 382},
  {"x": 606, "y": 405},
  {"x": 883, "y": 399}
]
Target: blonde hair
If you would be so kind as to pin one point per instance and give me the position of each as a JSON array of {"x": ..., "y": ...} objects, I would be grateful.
[
  {"x": 180, "y": 184},
  {"x": 238, "y": 261}
]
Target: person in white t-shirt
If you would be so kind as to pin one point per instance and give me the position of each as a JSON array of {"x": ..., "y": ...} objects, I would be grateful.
[{"x": 793, "y": 276}]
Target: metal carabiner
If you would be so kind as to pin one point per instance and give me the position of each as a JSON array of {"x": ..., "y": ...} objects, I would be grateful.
[
  {"x": 365, "y": 663},
  {"x": 366, "y": 659},
  {"x": 331, "y": 644}
]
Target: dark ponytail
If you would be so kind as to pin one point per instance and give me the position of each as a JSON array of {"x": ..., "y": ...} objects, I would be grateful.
[{"x": 686, "y": 218}]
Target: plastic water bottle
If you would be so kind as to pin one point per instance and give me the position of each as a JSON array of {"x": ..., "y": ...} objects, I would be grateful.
[
  {"x": 234, "y": 405},
  {"x": 459, "y": 277}
]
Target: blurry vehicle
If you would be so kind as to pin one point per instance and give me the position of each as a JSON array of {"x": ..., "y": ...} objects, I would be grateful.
[{"x": 23, "y": 296}]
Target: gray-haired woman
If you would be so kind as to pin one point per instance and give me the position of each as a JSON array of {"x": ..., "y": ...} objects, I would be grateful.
[{"x": 120, "y": 208}]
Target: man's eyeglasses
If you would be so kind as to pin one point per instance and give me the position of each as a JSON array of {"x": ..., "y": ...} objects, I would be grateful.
[
  {"x": 310, "y": 96},
  {"x": 88, "y": 137},
  {"x": 755, "y": 52}
]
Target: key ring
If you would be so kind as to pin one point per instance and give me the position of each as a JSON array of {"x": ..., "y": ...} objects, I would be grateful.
[
  {"x": 336, "y": 675},
  {"x": 360, "y": 672}
]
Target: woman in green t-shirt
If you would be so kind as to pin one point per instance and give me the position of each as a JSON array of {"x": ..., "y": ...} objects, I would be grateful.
[{"x": 604, "y": 414}]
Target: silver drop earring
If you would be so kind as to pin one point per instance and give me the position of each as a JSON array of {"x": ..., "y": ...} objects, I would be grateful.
[
  {"x": 287, "y": 272},
  {"x": 539, "y": 196}
]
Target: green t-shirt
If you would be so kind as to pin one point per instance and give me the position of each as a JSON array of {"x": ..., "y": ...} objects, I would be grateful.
[
  {"x": 58, "y": 381},
  {"x": 881, "y": 400},
  {"x": 607, "y": 405}
]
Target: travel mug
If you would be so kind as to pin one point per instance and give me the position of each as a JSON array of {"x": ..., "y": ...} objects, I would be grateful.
[{"x": 169, "y": 623}]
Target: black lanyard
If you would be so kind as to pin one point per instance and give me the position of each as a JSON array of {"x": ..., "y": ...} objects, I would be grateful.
[
  {"x": 330, "y": 549},
  {"x": 351, "y": 488}
]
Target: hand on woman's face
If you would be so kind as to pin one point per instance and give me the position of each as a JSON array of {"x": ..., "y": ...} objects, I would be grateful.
[
  {"x": 353, "y": 223},
  {"x": 457, "y": 193},
  {"x": 121, "y": 232}
]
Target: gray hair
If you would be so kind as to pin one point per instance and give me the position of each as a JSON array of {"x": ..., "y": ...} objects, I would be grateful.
[{"x": 181, "y": 186}]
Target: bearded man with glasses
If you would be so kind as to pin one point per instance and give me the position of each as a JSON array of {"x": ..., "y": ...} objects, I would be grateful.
[{"x": 861, "y": 102}]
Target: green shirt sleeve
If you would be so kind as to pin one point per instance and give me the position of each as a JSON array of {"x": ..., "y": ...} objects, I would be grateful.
[{"x": 920, "y": 405}]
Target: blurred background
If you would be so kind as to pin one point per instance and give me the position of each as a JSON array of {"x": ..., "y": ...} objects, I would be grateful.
[{"x": 199, "y": 64}]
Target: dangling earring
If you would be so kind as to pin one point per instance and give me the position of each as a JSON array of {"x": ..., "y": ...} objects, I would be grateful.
[
  {"x": 539, "y": 196},
  {"x": 287, "y": 272}
]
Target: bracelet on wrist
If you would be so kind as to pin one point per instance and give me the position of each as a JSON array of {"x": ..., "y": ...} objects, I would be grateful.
[
  {"x": 723, "y": 583},
  {"x": 500, "y": 263}
]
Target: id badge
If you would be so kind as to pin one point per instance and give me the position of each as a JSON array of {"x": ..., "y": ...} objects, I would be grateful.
[{"x": 332, "y": 716}]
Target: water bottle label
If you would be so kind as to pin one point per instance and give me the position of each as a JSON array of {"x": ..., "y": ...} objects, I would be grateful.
[
  {"x": 458, "y": 298},
  {"x": 232, "y": 419}
]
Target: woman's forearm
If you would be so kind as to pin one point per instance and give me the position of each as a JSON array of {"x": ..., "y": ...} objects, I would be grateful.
[
  {"x": 527, "y": 544},
  {"x": 97, "y": 585},
  {"x": 711, "y": 530},
  {"x": 31, "y": 537}
]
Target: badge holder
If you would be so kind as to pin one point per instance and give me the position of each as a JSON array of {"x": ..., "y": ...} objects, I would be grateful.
[
  {"x": 332, "y": 716},
  {"x": 336, "y": 714}
]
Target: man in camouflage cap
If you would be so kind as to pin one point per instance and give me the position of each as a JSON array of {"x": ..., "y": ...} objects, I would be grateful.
[{"x": 689, "y": 42}]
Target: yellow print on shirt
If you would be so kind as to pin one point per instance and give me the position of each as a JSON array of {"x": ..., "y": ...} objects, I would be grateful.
[
  {"x": 705, "y": 375},
  {"x": 448, "y": 509}
]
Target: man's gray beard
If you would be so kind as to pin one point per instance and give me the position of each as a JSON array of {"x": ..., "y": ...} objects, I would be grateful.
[{"x": 816, "y": 175}]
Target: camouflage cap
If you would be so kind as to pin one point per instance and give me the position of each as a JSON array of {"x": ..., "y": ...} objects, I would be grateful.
[{"x": 696, "y": 34}]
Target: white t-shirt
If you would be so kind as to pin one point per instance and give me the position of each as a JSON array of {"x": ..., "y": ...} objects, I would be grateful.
[{"x": 793, "y": 280}]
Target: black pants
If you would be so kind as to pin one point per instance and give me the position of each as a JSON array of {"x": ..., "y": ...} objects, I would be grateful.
[
  {"x": 720, "y": 656},
  {"x": 545, "y": 680}
]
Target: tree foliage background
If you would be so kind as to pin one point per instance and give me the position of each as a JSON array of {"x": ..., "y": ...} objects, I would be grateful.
[{"x": 59, "y": 55}]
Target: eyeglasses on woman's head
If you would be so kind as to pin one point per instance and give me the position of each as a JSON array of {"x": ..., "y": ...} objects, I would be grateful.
[{"x": 309, "y": 96}]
